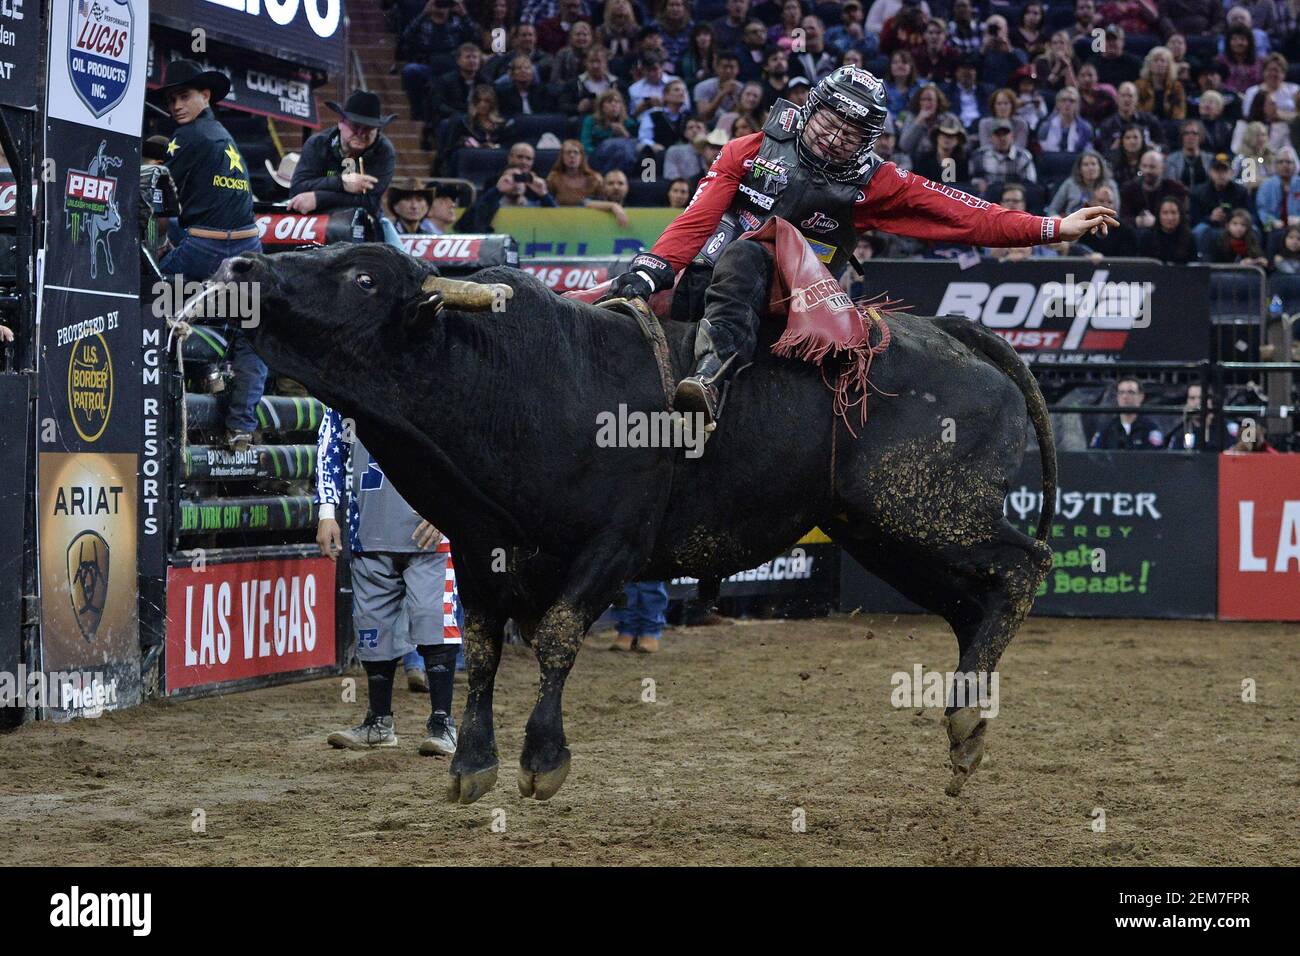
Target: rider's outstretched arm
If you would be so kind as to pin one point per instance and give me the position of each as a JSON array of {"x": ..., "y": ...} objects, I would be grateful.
[
  {"x": 687, "y": 233},
  {"x": 906, "y": 204}
]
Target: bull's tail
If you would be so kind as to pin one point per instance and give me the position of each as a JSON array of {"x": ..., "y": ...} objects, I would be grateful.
[{"x": 996, "y": 350}]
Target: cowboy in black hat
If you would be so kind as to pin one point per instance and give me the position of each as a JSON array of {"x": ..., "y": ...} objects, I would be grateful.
[
  {"x": 349, "y": 165},
  {"x": 216, "y": 217},
  {"x": 409, "y": 201}
]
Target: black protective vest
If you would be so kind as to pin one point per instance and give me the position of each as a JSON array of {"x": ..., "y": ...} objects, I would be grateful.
[{"x": 777, "y": 185}]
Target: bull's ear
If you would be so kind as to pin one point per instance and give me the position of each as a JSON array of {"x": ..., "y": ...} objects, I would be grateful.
[{"x": 468, "y": 296}]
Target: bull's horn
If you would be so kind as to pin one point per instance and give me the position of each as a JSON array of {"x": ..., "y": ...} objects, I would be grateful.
[{"x": 468, "y": 296}]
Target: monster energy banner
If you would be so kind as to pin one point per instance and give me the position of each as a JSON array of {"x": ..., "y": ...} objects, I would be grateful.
[
  {"x": 1067, "y": 310},
  {"x": 1132, "y": 537},
  {"x": 89, "y": 358}
]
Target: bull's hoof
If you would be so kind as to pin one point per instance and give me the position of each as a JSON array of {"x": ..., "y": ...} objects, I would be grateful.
[
  {"x": 542, "y": 785},
  {"x": 468, "y": 786},
  {"x": 966, "y": 730}
]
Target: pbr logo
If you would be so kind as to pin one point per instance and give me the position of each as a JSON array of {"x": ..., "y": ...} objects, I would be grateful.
[
  {"x": 99, "y": 52},
  {"x": 88, "y": 580},
  {"x": 787, "y": 119},
  {"x": 90, "y": 206},
  {"x": 771, "y": 173}
]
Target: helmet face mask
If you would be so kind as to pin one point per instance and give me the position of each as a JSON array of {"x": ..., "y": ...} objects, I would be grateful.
[{"x": 844, "y": 115}]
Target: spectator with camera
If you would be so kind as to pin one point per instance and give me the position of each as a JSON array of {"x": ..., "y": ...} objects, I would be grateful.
[{"x": 998, "y": 58}]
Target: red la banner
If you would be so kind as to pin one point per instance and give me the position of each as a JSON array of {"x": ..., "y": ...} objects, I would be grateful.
[
  {"x": 228, "y": 622},
  {"x": 1259, "y": 537}
]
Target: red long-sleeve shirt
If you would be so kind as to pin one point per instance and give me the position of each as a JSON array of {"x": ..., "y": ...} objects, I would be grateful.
[{"x": 895, "y": 200}]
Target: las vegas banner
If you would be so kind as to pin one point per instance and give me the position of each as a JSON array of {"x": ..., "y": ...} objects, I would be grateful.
[{"x": 89, "y": 404}]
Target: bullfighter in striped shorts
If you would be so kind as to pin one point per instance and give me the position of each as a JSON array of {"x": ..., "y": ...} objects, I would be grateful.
[{"x": 400, "y": 564}]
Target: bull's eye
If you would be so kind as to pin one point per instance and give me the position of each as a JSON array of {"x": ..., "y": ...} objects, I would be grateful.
[{"x": 364, "y": 281}]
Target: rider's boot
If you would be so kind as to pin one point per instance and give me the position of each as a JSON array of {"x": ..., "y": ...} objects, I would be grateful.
[{"x": 701, "y": 392}]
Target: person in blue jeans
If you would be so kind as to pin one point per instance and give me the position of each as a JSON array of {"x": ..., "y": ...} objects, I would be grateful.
[
  {"x": 641, "y": 621},
  {"x": 216, "y": 219}
]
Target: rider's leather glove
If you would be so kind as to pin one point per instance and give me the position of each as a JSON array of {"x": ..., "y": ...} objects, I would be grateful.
[{"x": 646, "y": 275}]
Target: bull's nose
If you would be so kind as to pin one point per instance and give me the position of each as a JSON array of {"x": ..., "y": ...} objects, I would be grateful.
[{"x": 240, "y": 265}]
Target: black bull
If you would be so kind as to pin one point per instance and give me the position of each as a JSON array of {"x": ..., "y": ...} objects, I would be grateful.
[{"x": 486, "y": 422}]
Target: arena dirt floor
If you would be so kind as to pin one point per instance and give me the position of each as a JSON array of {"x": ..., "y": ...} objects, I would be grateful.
[{"x": 750, "y": 724}]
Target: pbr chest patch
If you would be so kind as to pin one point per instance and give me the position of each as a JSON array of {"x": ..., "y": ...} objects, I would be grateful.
[
  {"x": 771, "y": 174},
  {"x": 748, "y": 221},
  {"x": 788, "y": 118}
]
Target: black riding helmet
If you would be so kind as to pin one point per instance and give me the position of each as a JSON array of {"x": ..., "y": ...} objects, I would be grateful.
[{"x": 858, "y": 100}]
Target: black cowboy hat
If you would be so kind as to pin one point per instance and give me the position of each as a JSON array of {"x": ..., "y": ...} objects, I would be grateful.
[
  {"x": 182, "y": 73},
  {"x": 362, "y": 109},
  {"x": 408, "y": 186}
]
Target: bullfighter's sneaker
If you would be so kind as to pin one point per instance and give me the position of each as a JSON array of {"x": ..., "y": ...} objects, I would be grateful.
[
  {"x": 370, "y": 733},
  {"x": 647, "y": 645},
  {"x": 417, "y": 680},
  {"x": 622, "y": 642},
  {"x": 441, "y": 741}
]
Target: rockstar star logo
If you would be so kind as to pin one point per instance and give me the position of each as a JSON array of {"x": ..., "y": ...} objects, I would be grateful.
[
  {"x": 236, "y": 161},
  {"x": 172, "y": 146}
]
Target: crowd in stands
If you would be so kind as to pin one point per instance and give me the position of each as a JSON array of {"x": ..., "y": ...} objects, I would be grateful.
[{"x": 1181, "y": 113}]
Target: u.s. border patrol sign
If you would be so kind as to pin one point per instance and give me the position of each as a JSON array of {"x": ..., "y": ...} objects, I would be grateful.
[
  {"x": 97, "y": 64},
  {"x": 99, "y": 52}
]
